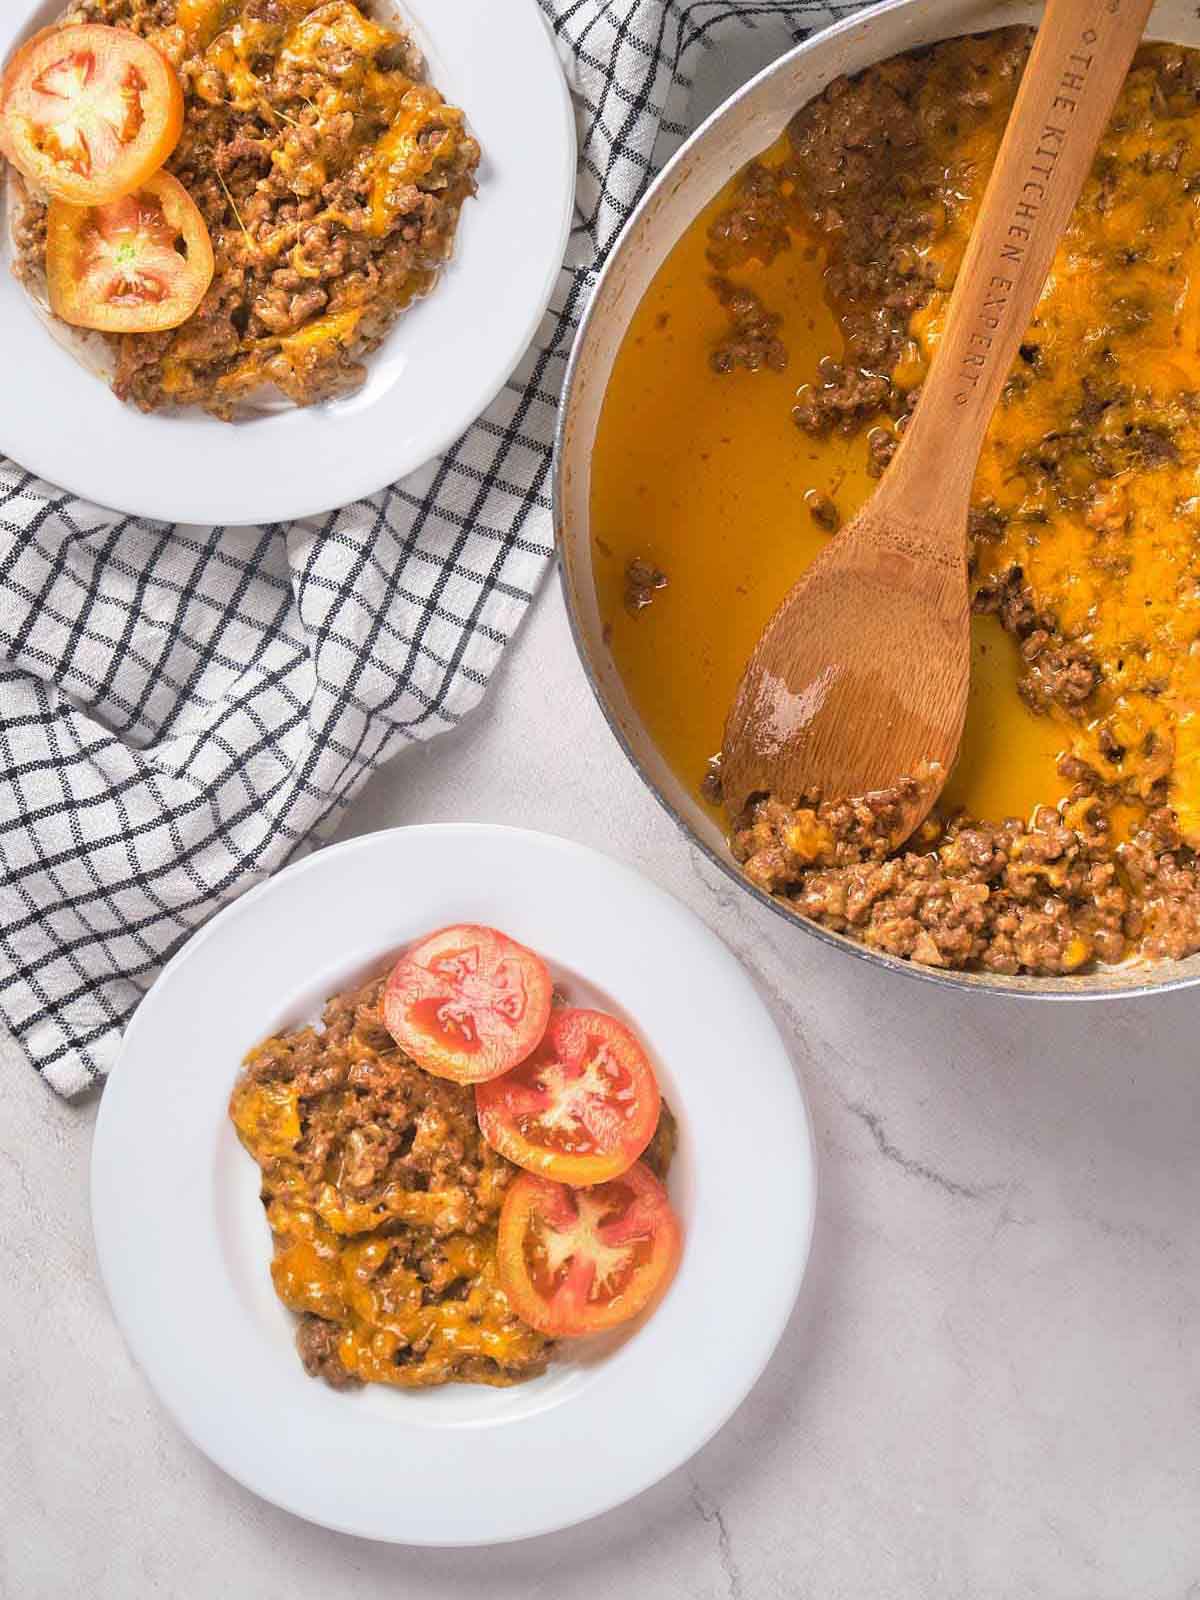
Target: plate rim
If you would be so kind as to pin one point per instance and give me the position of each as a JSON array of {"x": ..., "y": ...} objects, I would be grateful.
[
  {"x": 806, "y": 1172},
  {"x": 36, "y": 455}
]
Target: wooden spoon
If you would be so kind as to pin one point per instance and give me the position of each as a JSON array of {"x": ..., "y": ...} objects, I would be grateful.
[{"x": 859, "y": 682}]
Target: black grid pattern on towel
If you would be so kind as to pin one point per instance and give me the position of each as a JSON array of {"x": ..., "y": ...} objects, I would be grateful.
[{"x": 184, "y": 710}]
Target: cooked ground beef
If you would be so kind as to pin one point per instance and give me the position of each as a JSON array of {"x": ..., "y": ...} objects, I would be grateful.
[
  {"x": 29, "y": 236},
  {"x": 317, "y": 1342},
  {"x": 643, "y": 580},
  {"x": 711, "y": 787},
  {"x": 868, "y": 190},
  {"x": 1165, "y": 886},
  {"x": 382, "y": 1198},
  {"x": 1005, "y": 897},
  {"x": 330, "y": 176},
  {"x": 1056, "y": 672},
  {"x": 844, "y": 399},
  {"x": 777, "y": 837},
  {"x": 757, "y": 225},
  {"x": 753, "y": 342},
  {"x": 822, "y": 510},
  {"x": 1048, "y": 896}
]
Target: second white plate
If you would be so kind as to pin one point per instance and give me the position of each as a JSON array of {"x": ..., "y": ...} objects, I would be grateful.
[{"x": 185, "y": 1252}]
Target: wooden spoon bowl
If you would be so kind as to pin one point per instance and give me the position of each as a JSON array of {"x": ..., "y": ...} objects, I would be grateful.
[{"x": 859, "y": 683}]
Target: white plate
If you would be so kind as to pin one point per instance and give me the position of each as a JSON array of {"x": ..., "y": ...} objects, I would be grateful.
[
  {"x": 184, "y": 1250},
  {"x": 441, "y": 366}
]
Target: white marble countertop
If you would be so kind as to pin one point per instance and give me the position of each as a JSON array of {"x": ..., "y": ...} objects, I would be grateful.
[{"x": 990, "y": 1388}]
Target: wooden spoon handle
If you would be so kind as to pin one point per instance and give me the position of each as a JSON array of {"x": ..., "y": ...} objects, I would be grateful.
[{"x": 1079, "y": 61}]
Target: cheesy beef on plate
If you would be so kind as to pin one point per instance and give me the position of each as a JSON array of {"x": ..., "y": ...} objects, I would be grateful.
[
  {"x": 460, "y": 1171},
  {"x": 804, "y": 307},
  {"x": 329, "y": 175}
]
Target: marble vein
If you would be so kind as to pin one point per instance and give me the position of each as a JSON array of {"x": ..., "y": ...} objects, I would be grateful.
[
  {"x": 915, "y": 1169},
  {"x": 710, "y": 1511}
]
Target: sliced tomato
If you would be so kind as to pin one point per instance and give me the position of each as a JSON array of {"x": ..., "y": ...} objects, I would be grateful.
[
  {"x": 577, "y": 1261},
  {"x": 141, "y": 264},
  {"x": 581, "y": 1108},
  {"x": 468, "y": 1003},
  {"x": 88, "y": 112}
]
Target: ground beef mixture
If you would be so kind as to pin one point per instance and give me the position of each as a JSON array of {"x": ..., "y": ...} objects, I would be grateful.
[
  {"x": 1084, "y": 525},
  {"x": 759, "y": 225},
  {"x": 643, "y": 580},
  {"x": 383, "y": 1199},
  {"x": 330, "y": 175},
  {"x": 29, "y": 236},
  {"x": 753, "y": 342},
  {"x": 1043, "y": 897},
  {"x": 1056, "y": 672},
  {"x": 823, "y": 510}
]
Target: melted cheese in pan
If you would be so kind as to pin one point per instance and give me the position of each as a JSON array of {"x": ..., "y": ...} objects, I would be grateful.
[{"x": 1107, "y": 391}]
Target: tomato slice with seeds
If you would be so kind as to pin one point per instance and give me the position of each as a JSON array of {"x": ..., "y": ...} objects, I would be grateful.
[
  {"x": 578, "y": 1261},
  {"x": 581, "y": 1108},
  {"x": 89, "y": 112},
  {"x": 468, "y": 1003},
  {"x": 141, "y": 264}
]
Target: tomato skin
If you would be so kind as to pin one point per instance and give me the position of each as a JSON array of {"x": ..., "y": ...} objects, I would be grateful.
[
  {"x": 468, "y": 1003},
  {"x": 60, "y": 97},
  {"x": 582, "y": 1108},
  {"x": 9, "y": 76},
  {"x": 92, "y": 286},
  {"x": 578, "y": 1261}
]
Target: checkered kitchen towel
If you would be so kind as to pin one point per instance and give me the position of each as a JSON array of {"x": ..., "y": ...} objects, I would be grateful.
[{"x": 184, "y": 710}]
